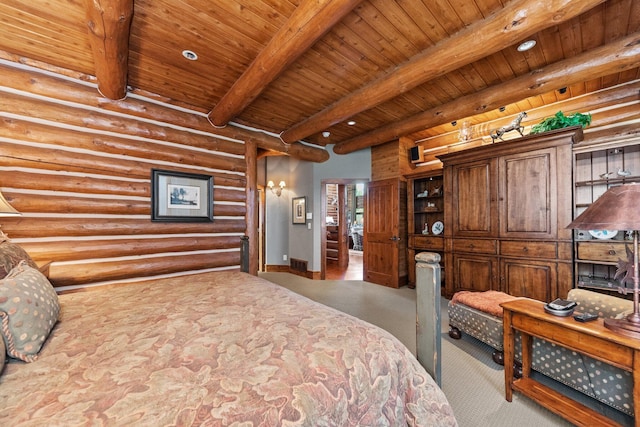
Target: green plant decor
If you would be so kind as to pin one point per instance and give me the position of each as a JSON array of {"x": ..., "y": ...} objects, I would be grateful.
[{"x": 560, "y": 121}]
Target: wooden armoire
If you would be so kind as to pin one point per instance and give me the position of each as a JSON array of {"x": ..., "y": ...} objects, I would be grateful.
[{"x": 507, "y": 206}]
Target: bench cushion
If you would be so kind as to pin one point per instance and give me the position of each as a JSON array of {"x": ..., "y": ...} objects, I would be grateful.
[{"x": 487, "y": 301}]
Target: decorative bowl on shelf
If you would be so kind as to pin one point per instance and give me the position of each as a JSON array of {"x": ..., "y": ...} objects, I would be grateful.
[{"x": 604, "y": 234}]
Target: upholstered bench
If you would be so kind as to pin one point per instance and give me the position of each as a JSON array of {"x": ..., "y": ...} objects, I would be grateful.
[
  {"x": 475, "y": 313},
  {"x": 479, "y": 315}
]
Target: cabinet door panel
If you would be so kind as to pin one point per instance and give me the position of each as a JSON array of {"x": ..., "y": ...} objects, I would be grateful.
[
  {"x": 474, "y": 212},
  {"x": 529, "y": 279},
  {"x": 475, "y": 273},
  {"x": 528, "y": 195}
]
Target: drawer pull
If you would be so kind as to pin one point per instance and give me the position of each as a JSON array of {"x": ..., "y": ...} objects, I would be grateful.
[
  {"x": 471, "y": 246},
  {"x": 612, "y": 252},
  {"x": 525, "y": 249}
]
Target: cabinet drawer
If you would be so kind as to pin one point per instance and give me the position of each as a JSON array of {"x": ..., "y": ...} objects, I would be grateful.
[
  {"x": 601, "y": 251},
  {"x": 475, "y": 245},
  {"x": 426, "y": 242},
  {"x": 529, "y": 249}
]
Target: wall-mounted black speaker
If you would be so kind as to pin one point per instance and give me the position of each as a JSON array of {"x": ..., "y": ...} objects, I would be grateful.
[{"x": 416, "y": 155}]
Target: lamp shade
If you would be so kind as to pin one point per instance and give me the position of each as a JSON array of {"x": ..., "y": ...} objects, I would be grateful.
[
  {"x": 617, "y": 209},
  {"x": 6, "y": 209}
]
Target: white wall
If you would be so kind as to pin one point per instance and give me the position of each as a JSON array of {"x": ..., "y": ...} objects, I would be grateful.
[
  {"x": 277, "y": 215},
  {"x": 304, "y": 179}
]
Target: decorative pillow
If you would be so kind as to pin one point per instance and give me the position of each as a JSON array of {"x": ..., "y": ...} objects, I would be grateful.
[
  {"x": 28, "y": 310},
  {"x": 10, "y": 256},
  {"x": 485, "y": 301}
]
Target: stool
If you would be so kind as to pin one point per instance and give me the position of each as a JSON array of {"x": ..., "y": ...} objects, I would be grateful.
[{"x": 479, "y": 314}]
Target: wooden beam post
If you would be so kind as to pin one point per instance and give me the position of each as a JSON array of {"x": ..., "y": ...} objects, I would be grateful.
[
  {"x": 109, "y": 23},
  {"x": 623, "y": 54},
  {"x": 251, "y": 156},
  {"x": 517, "y": 20}
]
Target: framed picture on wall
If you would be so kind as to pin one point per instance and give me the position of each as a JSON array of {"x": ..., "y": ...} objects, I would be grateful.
[
  {"x": 299, "y": 210},
  {"x": 181, "y": 197}
]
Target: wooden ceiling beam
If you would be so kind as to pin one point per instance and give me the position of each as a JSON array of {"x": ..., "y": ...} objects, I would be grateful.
[
  {"x": 517, "y": 20},
  {"x": 623, "y": 54},
  {"x": 309, "y": 22},
  {"x": 109, "y": 25}
]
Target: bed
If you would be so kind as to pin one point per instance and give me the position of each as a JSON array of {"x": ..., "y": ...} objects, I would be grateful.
[{"x": 218, "y": 348}]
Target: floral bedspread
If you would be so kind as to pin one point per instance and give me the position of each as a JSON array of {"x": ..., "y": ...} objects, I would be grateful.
[{"x": 216, "y": 349}]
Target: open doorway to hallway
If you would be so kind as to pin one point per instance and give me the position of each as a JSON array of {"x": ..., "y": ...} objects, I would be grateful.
[{"x": 342, "y": 229}]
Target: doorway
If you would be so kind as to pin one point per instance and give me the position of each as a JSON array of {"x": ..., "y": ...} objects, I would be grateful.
[{"x": 343, "y": 214}]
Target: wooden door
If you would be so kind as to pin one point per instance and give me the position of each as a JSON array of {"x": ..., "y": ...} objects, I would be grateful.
[
  {"x": 343, "y": 229},
  {"x": 385, "y": 233}
]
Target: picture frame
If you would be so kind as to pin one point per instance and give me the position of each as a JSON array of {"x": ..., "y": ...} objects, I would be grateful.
[
  {"x": 299, "y": 210},
  {"x": 181, "y": 197}
]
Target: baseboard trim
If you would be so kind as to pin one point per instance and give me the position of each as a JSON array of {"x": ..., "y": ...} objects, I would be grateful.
[
  {"x": 277, "y": 268},
  {"x": 313, "y": 275}
]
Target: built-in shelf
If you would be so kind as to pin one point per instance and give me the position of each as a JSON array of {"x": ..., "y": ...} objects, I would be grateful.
[
  {"x": 435, "y": 210},
  {"x": 425, "y": 207},
  {"x": 598, "y": 283},
  {"x": 596, "y": 170},
  {"x": 610, "y": 181}
]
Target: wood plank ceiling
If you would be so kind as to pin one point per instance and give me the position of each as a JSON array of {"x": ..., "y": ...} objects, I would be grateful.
[{"x": 300, "y": 68}]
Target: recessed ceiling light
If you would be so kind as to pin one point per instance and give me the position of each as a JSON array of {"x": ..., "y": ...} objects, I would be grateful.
[
  {"x": 524, "y": 46},
  {"x": 351, "y": 122},
  {"x": 326, "y": 134},
  {"x": 190, "y": 55}
]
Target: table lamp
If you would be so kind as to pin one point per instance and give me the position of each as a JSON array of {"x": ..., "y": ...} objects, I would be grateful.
[{"x": 618, "y": 209}]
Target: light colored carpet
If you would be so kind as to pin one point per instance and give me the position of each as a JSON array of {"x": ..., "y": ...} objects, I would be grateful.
[{"x": 473, "y": 383}]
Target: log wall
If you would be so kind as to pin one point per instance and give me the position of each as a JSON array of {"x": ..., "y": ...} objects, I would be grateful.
[{"x": 78, "y": 168}]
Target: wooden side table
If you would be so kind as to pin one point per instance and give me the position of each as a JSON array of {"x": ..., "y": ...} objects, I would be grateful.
[{"x": 592, "y": 338}]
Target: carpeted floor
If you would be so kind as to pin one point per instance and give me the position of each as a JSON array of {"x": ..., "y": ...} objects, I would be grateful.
[{"x": 473, "y": 383}]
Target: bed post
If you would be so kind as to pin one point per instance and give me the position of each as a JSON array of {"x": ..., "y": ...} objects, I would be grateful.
[
  {"x": 244, "y": 254},
  {"x": 428, "y": 329}
]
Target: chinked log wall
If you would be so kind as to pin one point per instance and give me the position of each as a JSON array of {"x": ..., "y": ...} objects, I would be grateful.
[{"x": 78, "y": 168}]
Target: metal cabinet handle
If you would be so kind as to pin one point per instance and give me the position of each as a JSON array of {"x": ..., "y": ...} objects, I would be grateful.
[{"x": 612, "y": 252}]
